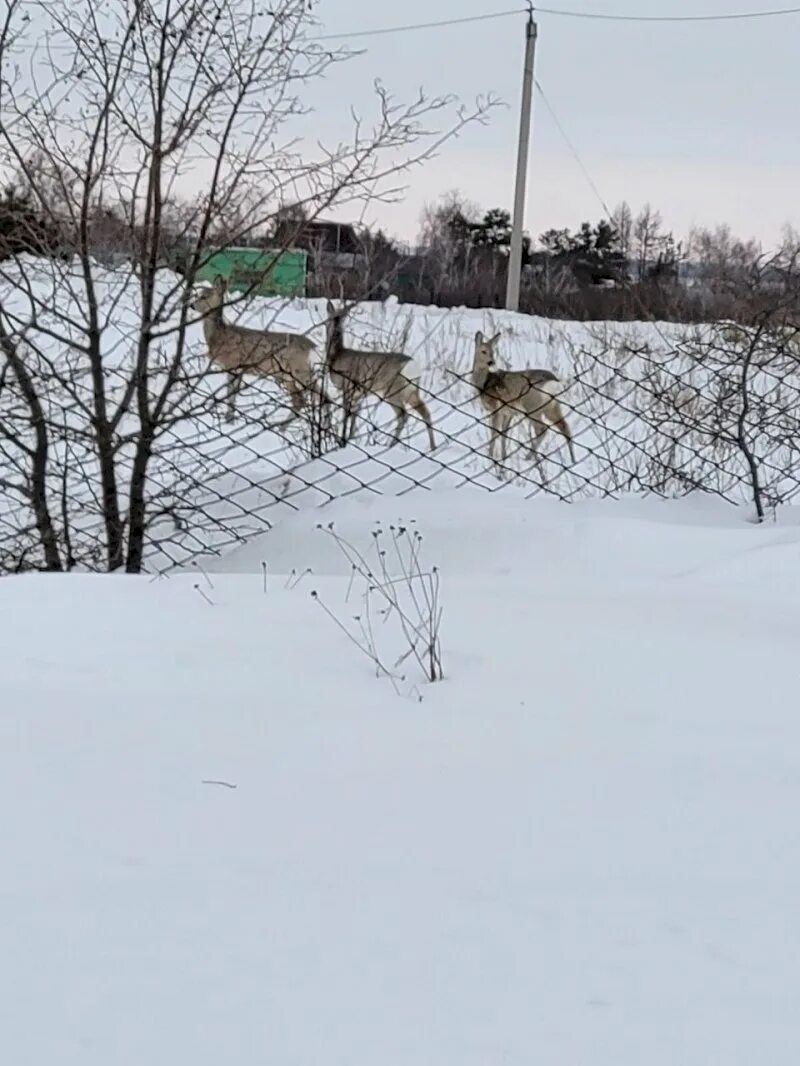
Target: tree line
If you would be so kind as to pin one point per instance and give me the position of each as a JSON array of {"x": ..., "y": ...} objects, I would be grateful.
[{"x": 626, "y": 266}]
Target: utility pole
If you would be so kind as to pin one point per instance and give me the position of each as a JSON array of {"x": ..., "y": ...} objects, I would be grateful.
[{"x": 515, "y": 252}]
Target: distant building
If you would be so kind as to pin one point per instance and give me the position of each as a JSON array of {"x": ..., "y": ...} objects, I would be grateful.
[{"x": 333, "y": 247}]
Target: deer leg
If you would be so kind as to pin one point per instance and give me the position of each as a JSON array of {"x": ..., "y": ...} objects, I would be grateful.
[
  {"x": 494, "y": 438},
  {"x": 538, "y": 430},
  {"x": 316, "y": 396},
  {"x": 342, "y": 407},
  {"x": 348, "y": 419},
  {"x": 297, "y": 398},
  {"x": 564, "y": 430},
  {"x": 324, "y": 404},
  {"x": 505, "y": 426},
  {"x": 346, "y": 394},
  {"x": 421, "y": 408},
  {"x": 234, "y": 384},
  {"x": 296, "y": 401},
  {"x": 345, "y": 421},
  {"x": 352, "y": 413},
  {"x": 402, "y": 415}
]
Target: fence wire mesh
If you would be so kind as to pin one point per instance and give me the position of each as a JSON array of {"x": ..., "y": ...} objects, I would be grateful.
[{"x": 652, "y": 409}]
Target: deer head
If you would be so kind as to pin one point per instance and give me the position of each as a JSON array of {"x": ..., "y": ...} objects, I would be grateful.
[
  {"x": 484, "y": 350},
  {"x": 210, "y": 299}
]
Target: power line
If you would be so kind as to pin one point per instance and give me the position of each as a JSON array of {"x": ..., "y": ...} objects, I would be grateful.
[
  {"x": 597, "y": 16},
  {"x": 601, "y": 199},
  {"x": 730, "y": 16},
  {"x": 573, "y": 150},
  {"x": 383, "y": 31},
  {"x": 424, "y": 25}
]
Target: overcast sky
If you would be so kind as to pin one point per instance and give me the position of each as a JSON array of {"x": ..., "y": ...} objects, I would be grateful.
[{"x": 701, "y": 120}]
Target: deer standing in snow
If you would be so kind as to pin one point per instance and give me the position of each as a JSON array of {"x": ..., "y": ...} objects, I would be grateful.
[
  {"x": 358, "y": 374},
  {"x": 282, "y": 357},
  {"x": 510, "y": 395}
]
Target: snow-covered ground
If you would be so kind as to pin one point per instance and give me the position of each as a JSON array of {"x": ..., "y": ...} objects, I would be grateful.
[
  {"x": 578, "y": 849},
  {"x": 654, "y": 410}
]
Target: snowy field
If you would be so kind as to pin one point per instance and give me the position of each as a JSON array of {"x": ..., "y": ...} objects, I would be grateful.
[
  {"x": 577, "y": 849},
  {"x": 653, "y": 408},
  {"x": 229, "y": 839}
]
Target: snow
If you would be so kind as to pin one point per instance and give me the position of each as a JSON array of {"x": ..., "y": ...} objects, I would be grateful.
[
  {"x": 227, "y": 839},
  {"x": 648, "y": 416},
  {"x": 579, "y": 848}
]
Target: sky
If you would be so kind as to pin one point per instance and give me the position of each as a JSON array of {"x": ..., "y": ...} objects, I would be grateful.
[
  {"x": 697, "y": 119},
  {"x": 700, "y": 120}
]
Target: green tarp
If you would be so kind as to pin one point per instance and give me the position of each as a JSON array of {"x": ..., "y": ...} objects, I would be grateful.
[{"x": 258, "y": 270}]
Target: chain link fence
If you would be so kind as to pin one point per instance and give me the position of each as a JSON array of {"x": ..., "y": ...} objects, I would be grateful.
[{"x": 653, "y": 409}]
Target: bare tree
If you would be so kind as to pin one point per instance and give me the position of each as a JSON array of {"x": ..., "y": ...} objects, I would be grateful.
[
  {"x": 646, "y": 233},
  {"x": 27, "y": 461},
  {"x": 108, "y": 110},
  {"x": 726, "y": 263},
  {"x": 734, "y": 402},
  {"x": 622, "y": 220},
  {"x": 442, "y": 233}
]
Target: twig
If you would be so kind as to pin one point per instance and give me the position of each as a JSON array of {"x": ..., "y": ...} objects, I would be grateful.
[
  {"x": 197, "y": 566},
  {"x": 201, "y": 593},
  {"x": 300, "y": 577}
]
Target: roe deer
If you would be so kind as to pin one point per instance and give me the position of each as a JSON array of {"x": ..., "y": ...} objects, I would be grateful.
[
  {"x": 508, "y": 395},
  {"x": 283, "y": 357},
  {"x": 358, "y": 374}
]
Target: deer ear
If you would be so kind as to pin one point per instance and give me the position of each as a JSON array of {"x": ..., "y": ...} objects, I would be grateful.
[
  {"x": 496, "y": 337},
  {"x": 478, "y": 337}
]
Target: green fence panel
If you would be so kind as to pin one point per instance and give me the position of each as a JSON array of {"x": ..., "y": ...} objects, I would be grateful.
[{"x": 258, "y": 270}]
